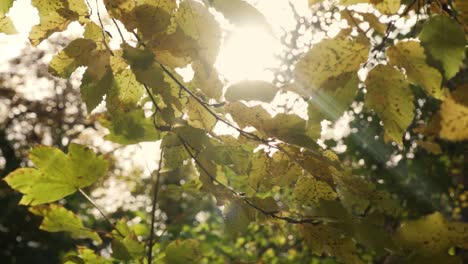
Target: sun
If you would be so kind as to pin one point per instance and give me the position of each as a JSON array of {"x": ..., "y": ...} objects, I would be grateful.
[{"x": 248, "y": 52}]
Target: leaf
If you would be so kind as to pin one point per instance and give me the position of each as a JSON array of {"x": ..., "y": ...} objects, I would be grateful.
[
  {"x": 77, "y": 53},
  {"x": 289, "y": 128},
  {"x": 410, "y": 55},
  {"x": 151, "y": 18},
  {"x": 384, "y": 6},
  {"x": 183, "y": 251},
  {"x": 59, "y": 219},
  {"x": 430, "y": 146},
  {"x": 130, "y": 128},
  {"x": 125, "y": 93},
  {"x": 309, "y": 191},
  {"x": 444, "y": 41},
  {"x": 325, "y": 239},
  {"x": 328, "y": 59},
  {"x": 431, "y": 237},
  {"x": 237, "y": 217},
  {"x": 125, "y": 245},
  {"x": 196, "y": 22},
  {"x": 251, "y": 90},
  {"x": 389, "y": 95},
  {"x": 199, "y": 117},
  {"x": 55, "y": 16},
  {"x": 85, "y": 255},
  {"x": 207, "y": 80},
  {"x": 57, "y": 175},
  {"x": 92, "y": 92},
  {"x": 461, "y": 7},
  {"x": 453, "y": 120},
  {"x": 333, "y": 99},
  {"x": 6, "y": 25},
  {"x": 241, "y": 13}
]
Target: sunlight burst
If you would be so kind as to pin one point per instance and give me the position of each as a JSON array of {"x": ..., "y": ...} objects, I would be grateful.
[{"x": 248, "y": 53}]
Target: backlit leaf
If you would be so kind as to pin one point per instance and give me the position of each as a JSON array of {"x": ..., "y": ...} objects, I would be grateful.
[
  {"x": 6, "y": 25},
  {"x": 59, "y": 219},
  {"x": 384, "y": 6},
  {"x": 183, "y": 251},
  {"x": 453, "y": 120},
  {"x": 309, "y": 191},
  {"x": 240, "y": 13},
  {"x": 57, "y": 175},
  {"x": 329, "y": 59},
  {"x": 237, "y": 217},
  {"x": 444, "y": 40},
  {"x": 333, "y": 99},
  {"x": 431, "y": 237},
  {"x": 389, "y": 95},
  {"x": 410, "y": 55},
  {"x": 77, "y": 53},
  {"x": 55, "y": 16},
  {"x": 251, "y": 90},
  {"x": 325, "y": 239},
  {"x": 130, "y": 128}
]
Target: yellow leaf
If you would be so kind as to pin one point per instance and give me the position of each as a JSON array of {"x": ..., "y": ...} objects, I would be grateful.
[
  {"x": 453, "y": 120},
  {"x": 410, "y": 55},
  {"x": 55, "y": 16},
  {"x": 328, "y": 59},
  {"x": 390, "y": 96}
]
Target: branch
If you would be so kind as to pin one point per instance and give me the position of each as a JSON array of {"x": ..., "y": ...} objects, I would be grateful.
[
  {"x": 273, "y": 214},
  {"x": 153, "y": 208},
  {"x": 102, "y": 28}
]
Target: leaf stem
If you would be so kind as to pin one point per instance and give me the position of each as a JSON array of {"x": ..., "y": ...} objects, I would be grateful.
[
  {"x": 99, "y": 209},
  {"x": 153, "y": 208}
]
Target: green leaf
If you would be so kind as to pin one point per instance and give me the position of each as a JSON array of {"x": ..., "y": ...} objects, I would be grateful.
[
  {"x": 251, "y": 90},
  {"x": 309, "y": 191},
  {"x": 55, "y": 16},
  {"x": 389, "y": 95},
  {"x": 384, "y": 6},
  {"x": 183, "y": 252},
  {"x": 325, "y": 239},
  {"x": 328, "y": 59},
  {"x": 130, "y": 128},
  {"x": 58, "y": 219},
  {"x": 85, "y": 256},
  {"x": 125, "y": 93},
  {"x": 444, "y": 40},
  {"x": 77, "y": 53},
  {"x": 125, "y": 245},
  {"x": 410, "y": 55},
  {"x": 237, "y": 216},
  {"x": 57, "y": 175},
  {"x": 92, "y": 92},
  {"x": 431, "y": 237}
]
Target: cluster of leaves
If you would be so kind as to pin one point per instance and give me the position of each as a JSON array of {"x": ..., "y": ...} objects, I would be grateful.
[{"x": 277, "y": 175}]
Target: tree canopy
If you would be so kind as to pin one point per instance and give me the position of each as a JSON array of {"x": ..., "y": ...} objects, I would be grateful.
[{"x": 268, "y": 188}]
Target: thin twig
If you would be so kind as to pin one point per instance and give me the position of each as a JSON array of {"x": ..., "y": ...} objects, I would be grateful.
[
  {"x": 99, "y": 209},
  {"x": 118, "y": 29},
  {"x": 153, "y": 208},
  {"x": 102, "y": 29}
]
